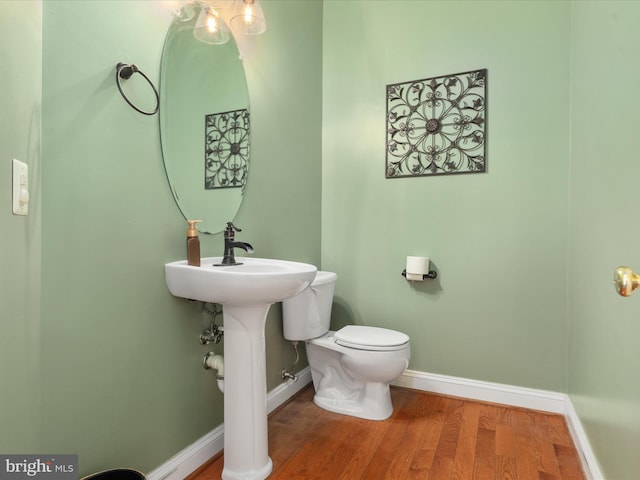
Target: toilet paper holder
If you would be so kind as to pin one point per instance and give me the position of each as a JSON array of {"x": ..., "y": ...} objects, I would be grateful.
[{"x": 432, "y": 274}]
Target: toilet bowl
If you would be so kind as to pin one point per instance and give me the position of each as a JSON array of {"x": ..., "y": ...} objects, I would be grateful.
[{"x": 351, "y": 368}]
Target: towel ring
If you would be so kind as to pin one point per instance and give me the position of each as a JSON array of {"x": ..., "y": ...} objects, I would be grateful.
[{"x": 125, "y": 72}]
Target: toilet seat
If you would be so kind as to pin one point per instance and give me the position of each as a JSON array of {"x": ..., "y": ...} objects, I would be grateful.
[{"x": 370, "y": 338}]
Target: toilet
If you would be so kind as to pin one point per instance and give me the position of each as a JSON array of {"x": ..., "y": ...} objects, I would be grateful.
[{"x": 351, "y": 368}]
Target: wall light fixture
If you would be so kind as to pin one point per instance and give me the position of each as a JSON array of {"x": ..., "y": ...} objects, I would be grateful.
[
  {"x": 248, "y": 18},
  {"x": 210, "y": 28}
]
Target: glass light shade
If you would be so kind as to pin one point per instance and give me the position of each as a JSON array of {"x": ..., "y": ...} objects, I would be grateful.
[
  {"x": 187, "y": 12},
  {"x": 210, "y": 28},
  {"x": 248, "y": 18}
]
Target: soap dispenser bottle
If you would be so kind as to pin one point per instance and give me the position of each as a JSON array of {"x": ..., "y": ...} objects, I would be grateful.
[{"x": 193, "y": 244}]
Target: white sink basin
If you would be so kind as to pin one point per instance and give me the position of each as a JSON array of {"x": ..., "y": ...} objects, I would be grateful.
[{"x": 258, "y": 281}]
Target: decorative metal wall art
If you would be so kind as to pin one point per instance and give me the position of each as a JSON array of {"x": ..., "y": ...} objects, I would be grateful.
[
  {"x": 226, "y": 158},
  {"x": 437, "y": 126}
]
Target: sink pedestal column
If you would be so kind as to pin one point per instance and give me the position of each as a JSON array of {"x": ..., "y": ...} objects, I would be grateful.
[{"x": 245, "y": 394}]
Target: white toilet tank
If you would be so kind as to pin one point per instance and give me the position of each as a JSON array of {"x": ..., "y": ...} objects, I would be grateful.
[{"x": 308, "y": 314}]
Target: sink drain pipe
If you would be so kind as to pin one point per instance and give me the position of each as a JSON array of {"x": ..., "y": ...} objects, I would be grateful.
[{"x": 216, "y": 362}]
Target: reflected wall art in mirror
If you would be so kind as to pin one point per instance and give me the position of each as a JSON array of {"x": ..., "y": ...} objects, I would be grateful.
[{"x": 204, "y": 123}]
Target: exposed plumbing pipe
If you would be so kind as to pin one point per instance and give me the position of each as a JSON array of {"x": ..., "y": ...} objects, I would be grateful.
[
  {"x": 285, "y": 374},
  {"x": 216, "y": 362}
]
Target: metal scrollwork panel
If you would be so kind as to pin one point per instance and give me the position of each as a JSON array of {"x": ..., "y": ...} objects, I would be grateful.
[
  {"x": 226, "y": 149},
  {"x": 437, "y": 126}
]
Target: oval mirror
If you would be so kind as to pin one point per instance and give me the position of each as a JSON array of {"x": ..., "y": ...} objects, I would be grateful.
[{"x": 204, "y": 123}]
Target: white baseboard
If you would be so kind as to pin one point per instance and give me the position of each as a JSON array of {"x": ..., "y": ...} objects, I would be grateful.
[
  {"x": 191, "y": 458},
  {"x": 543, "y": 400},
  {"x": 589, "y": 462},
  {"x": 195, "y": 455}
]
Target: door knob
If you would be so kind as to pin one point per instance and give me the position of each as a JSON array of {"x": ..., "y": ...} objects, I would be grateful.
[{"x": 625, "y": 281}]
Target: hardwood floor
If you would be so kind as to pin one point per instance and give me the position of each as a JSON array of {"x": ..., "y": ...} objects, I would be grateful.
[{"x": 429, "y": 437}]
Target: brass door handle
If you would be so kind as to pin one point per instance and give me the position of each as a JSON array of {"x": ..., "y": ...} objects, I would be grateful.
[{"x": 625, "y": 281}]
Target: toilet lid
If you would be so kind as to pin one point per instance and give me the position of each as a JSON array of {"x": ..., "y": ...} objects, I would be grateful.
[{"x": 370, "y": 338}]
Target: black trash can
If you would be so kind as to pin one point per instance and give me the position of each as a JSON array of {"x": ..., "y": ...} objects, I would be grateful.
[{"x": 117, "y": 474}]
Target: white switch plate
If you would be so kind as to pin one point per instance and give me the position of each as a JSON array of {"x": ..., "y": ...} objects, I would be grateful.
[{"x": 20, "y": 188}]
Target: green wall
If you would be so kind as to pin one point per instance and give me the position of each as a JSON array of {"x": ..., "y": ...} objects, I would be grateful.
[
  {"x": 526, "y": 252},
  {"x": 20, "y": 236},
  {"x": 120, "y": 356},
  {"x": 121, "y": 372},
  {"x": 605, "y": 328},
  {"x": 103, "y": 362},
  {"x": 497, "y": 311}
]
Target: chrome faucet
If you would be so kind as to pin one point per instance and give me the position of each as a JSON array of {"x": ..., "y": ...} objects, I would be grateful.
[{"x": 230, "y": 244}]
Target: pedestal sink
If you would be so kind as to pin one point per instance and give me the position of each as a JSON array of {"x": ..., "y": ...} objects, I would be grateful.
[{"x": 245, "y": 292}]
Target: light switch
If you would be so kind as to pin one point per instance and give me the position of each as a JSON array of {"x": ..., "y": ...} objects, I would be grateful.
[{"x": 20, "y": 188}]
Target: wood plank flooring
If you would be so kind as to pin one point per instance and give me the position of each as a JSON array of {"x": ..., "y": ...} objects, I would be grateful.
[{"x": 428, "y": 437}]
